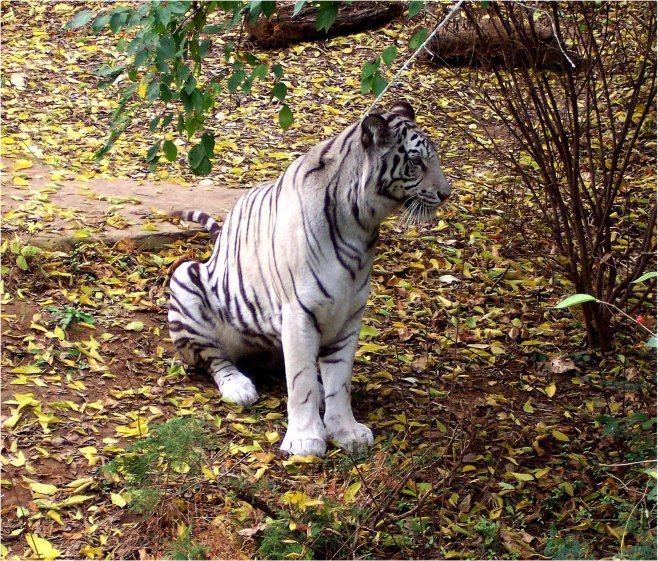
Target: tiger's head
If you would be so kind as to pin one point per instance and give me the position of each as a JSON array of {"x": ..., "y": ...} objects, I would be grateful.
[{"x": 405, "y": 162}]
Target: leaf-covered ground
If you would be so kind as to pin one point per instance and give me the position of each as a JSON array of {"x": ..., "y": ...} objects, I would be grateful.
[{"x": 498, "y": 434}]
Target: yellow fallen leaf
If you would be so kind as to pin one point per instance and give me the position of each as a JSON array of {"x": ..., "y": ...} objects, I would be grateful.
[
  {"x": 350, "y": 494},
  {"x": 550, "y": 390},
  {"x": 300, "y": 500},
  {"x": 134, "y": 326},
  {"x": 522, "y": 476},
  {"x": 43, "y": 488},
  {"x": 90, "y": 453},
  {"x": 136, "y": 428},
  {"x": 20, "y": 181},
  {"x": 42, "y": 548},
  {"x": 560, "y": 436},
  {"x": 22, "y": 164},
  {"x": 118, "y": 500},
  {"x": 19, "y": 460},
  {"x": 56, "y": 516},
  {"x": 272, "y": 436},
  {"x": 91, "y": 552},
  {"x": 26, "y": 369},
  {"x": 76, "y": 499}
]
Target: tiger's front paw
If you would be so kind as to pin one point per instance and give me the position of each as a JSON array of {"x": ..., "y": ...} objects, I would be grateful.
[
  {"x": 237, "y": 389},
  {"x": 304, "y": 443},
  {"x": 353, "y": 437}
]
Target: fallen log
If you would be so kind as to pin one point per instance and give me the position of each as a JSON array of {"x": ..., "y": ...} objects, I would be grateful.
[
  {"x": 490, "y": 42},
  {"x": 282, "y": 29}
]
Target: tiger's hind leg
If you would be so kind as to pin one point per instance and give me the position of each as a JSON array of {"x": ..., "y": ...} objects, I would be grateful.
[{"x": 194, "y": 321}]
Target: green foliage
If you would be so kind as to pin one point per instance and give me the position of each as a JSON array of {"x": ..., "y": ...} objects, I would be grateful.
[
  {"x": 313, "y": 529},
  {"x": 635, "y": 434},
  {"x": 24, "y": 253},
  {"x": 564, "y": 547},
  {"x": 166, "y": 45},
  {"x": 176, "y": 445},
  {"x": 183, "y": 547},
  {"x": 70, "y": 314},
  {"x": 489, "y": 532},
  {"x": 579, "y": 299}
]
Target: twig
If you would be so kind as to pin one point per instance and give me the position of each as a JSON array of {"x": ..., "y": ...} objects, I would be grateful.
[
  {"x": 555, "y": 33},
  {"x": 414, "y": 55},
  {"x": 652, "y": 461}
]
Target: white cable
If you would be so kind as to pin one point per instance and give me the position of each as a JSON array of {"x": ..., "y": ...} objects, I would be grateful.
[{"x": 413, "y": 56}]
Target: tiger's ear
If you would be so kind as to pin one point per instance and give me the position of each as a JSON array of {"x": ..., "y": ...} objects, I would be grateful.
[
  {"x": 375, "y": 131},
  {"x": 404, "y": 109}
]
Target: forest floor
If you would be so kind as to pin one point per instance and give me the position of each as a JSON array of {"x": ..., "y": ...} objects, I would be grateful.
[{"x": 499, "y": 434}]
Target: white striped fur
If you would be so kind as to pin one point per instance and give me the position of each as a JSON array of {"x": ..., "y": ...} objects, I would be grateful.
[{"x": 290, "y": 273}]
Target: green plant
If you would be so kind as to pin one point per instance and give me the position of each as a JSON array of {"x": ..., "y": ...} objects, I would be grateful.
[
  {"x": 171, "y": 448},
  {"x": 312, "y": 529},
  {"x": 564, "y": 547},
  {"x": 183, "y": 547},
  {"x": 25, "y": 254},
  {"x": 167, "y": 46},
  {"x": 69, "y": 314},
  {"x": 580, "y": 299},
  {"x": 279, "y": 542},
  {"x": 576, "y": 133},
  {"x": 489, "y": 531}
]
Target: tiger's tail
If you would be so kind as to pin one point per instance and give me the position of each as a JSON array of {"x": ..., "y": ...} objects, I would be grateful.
[{"x": 199, "y": 217}]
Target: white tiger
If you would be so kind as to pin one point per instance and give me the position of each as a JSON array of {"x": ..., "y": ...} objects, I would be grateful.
[{"x": 290, "y": 273}]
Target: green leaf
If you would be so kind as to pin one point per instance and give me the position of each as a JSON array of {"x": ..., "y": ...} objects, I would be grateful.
[
  {"x": 204, "y": 47},
  {"x": 418, "y": 38},
  {"x": 100, "y": 22},
  {"x": 269, "y": 7},
  {"x": 369, "y": 69},
  {"x": 651, "y": 342},
  {"x": 170, "y": 150},
  {"x": 80, "y": 19},
  {"x": 196, "y": 155},
  {"x": 21, "y": 262},
  {"x": 152, "y": 154},
  {"x": 326, "y": 17},
  {"x": 208, "y": 143},
  {"x": 117, "y": 21},
  {"x": 277, "y": 70},
  {"x": 235, "y": 80},
  {"x": 165, "y": 93},
  {"x": 167, "y": 46},
  {"x": 298, "y": 7},
  {"x": 575, "y": 300},
  {"x": 366, "y": 85},
  {"x": 286, "y": 117},
  {"x": 389, "y": 54},
  {"x": 646, "y": 276},
  {"x": 379, "y": 83},
  {"x": 260, "y": 72},
  {"x": 415, "y": 7},
  {"x": 153, "y": 90},
  {"x": 279, "y": 91},
  {"x": 203, "y": 168}
]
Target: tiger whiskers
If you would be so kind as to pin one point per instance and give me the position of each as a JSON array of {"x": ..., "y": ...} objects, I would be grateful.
[{"x": 417, "y": 212}]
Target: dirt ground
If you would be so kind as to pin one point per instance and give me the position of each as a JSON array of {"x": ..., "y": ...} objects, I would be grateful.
[{"x": 107, "y": 210}]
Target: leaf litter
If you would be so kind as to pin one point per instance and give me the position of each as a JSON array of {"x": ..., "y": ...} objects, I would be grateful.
[{"x": 493, "y": 427}]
